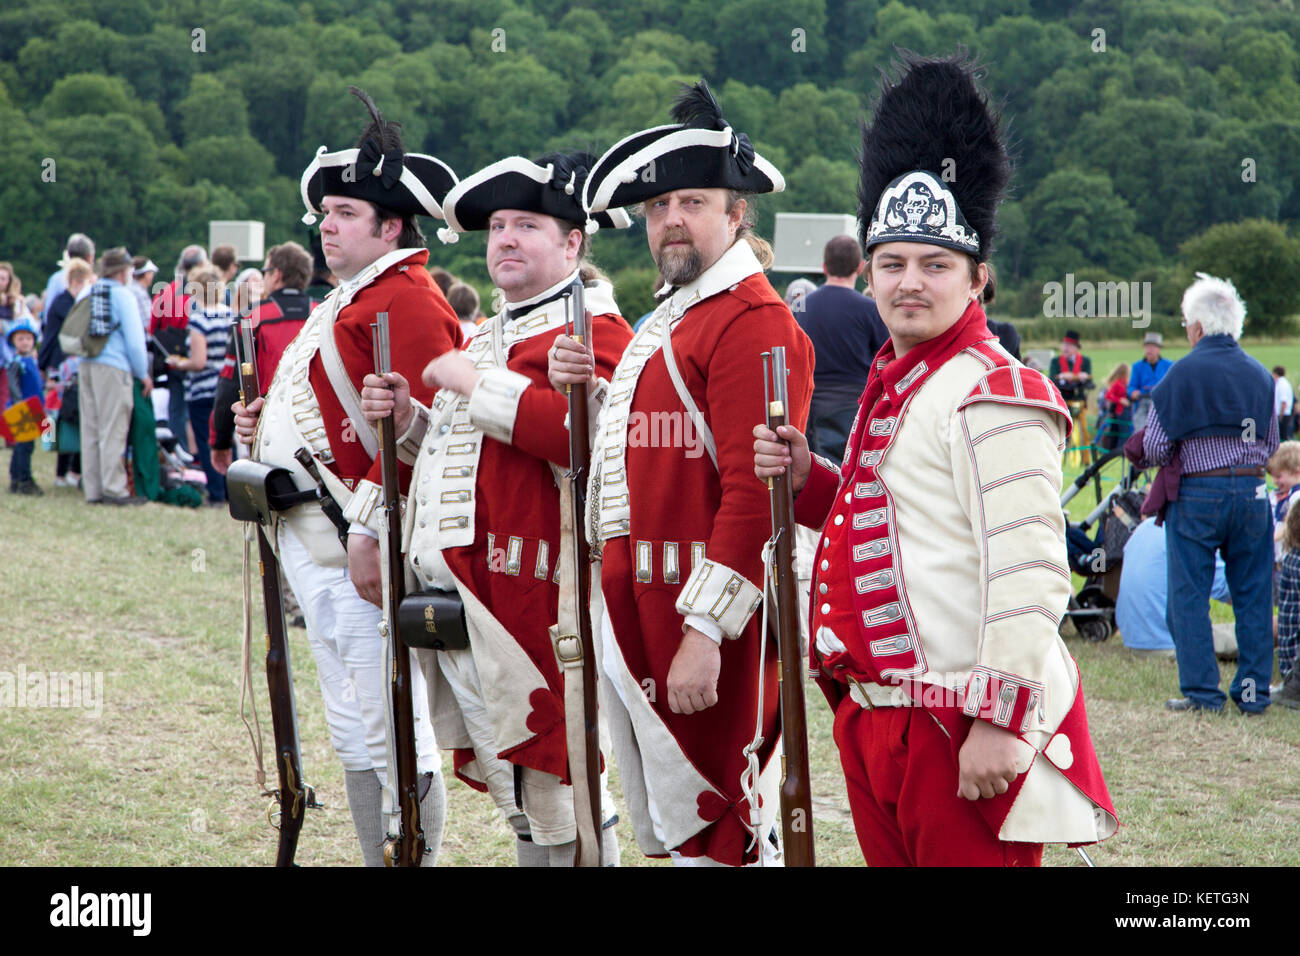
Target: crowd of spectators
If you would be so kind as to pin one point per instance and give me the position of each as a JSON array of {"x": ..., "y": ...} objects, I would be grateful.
[{"x": 172, "y": 333}]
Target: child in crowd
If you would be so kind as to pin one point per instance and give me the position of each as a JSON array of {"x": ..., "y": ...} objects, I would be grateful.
[
  {"x": 1288, "y": 609},
  {"x": 1284, "y": 469},
  {"x": 24, "y": 383},
  {"x": 67, "y": 470},
  {"x": 1116, "y": 411}
]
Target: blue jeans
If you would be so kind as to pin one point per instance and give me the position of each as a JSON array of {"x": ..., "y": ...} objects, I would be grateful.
[
  {"x": 177, "y": 408},
  {"x": 20, "y": 465},
  {"x": 200, "y": 412},
  {"x": 1230, "y": 515}
]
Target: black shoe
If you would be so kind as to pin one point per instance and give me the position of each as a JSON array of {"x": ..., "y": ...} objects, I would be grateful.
[
  {"x": 1289, "y": 695},
  {"x": 298, "y": 621},
  {"x": 126, "y": 500},
  {"x": 28, "y": 487},
  {"x": 1183, "y": 704}
]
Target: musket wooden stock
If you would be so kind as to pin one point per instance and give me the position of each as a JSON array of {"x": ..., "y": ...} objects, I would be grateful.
[
  {"x": 294, "y": 796},
  {"x": 579, "y": 461},
  {"x": 408, "y": 846},
  {"x": 796, "y": 795}
]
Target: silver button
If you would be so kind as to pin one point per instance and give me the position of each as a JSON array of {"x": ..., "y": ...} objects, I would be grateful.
[
  {"x": 848, "y": 498},
  {"x": 432, "y": 449},
  {"x": 822, "y": 589},
  {"x": 423, "y": 523},
  {"x": 839, "y": 519},
  {"x": 423, "y": 502},
  {"x": 826, "y": 609},
  {"x": 826, "y": 565}
]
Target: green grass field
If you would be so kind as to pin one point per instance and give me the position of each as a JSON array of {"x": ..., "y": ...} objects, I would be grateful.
[{"x": 149, "y": 598}]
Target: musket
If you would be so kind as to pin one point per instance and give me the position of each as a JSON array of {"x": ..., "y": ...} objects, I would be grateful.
[
  {"x": 407, "y": 846},
  {"x": 294, "y": 796},
  {"x": 796, "y": 796},
  {"x": 576, "y": 477}
]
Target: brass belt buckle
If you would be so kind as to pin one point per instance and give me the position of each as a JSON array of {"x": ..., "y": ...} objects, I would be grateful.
[{"x": 569, "y": 649}]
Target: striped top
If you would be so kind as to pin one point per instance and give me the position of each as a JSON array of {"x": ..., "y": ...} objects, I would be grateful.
[
  {"x": 1210, "y": 452},
  {"x": 213, "y": 323}
]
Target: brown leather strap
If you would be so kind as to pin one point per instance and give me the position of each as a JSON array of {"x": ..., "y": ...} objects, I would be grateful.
[{"x": 1255, "y": 472}]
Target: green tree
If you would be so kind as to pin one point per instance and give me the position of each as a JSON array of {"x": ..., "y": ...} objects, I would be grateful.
[
  {"x": 518, "y": 102},
  {"x": 813, "y": 122},
  {"x": 236, "y": 162},
  {"x": 1261, "y": 260},
  {"x": 1076, "y": 221},
  {"x": 768, "y": 38},
  {"x": 212, "y": 108},
  {"x": 77, "y": 47}
]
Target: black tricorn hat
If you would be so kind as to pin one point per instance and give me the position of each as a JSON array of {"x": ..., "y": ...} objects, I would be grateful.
[
  {"x": 551, "y": 185},
  {"x": 699, "y": 150},
  {"x": 934, "y": 166},
  {"x": 378, "y": 170}
]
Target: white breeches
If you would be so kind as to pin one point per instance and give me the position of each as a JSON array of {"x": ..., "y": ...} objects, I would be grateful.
[{"x": 343, "y": 630}]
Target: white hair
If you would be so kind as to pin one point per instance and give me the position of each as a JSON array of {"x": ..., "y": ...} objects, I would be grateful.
[{"x": 1215, "y": 305}]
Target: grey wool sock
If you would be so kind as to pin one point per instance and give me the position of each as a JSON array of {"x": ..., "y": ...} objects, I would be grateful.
[
  {"x": 433, "y": 815},
  {"x": 365, "y": 799},
  {"x": 528, "y": 853}
]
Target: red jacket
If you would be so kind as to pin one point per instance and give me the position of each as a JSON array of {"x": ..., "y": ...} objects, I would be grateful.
[
  {"x": 421, "y": 327},
  {"x": 680, "y": 503}
]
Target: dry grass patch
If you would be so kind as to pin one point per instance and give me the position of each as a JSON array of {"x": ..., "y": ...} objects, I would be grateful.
[{"x": 149, "y": 598}]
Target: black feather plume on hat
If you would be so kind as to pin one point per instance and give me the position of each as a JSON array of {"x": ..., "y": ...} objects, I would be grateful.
[
  {"x": 935, "y": 117},
  {"x": 387, "y": 136},
  {"x": 696, "y": 106}
]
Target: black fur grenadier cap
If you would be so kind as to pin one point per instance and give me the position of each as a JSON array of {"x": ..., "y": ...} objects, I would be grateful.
[
  {"x": 934, "y": 167},
  {"x": 551, "y": 185},
  {"x": 699, "y": 150},
  {"x": 378, "y": 170}
]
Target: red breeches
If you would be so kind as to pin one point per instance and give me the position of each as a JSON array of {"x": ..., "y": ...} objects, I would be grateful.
[{"x": 902, "y": 784}]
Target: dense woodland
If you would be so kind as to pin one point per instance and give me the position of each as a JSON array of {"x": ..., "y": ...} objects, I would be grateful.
[{"x": 1137, "y": 125}]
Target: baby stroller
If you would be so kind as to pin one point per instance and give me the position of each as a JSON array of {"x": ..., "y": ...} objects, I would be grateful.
[{"x": 1097, "y": 555}]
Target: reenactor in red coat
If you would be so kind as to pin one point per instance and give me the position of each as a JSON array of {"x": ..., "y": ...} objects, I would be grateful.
[
  {"x": 486, "y": 518},
  {"x": 940, "y": 570},
  {"x": 369, "y": 197},
  {"x": 677, "y": 516}
]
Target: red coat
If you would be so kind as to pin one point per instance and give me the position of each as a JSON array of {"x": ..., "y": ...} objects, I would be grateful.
[
  {"x": 517, "y": 497},
  {"x": 683, "y": 500},
  {"x": 421, "y": 326}
]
